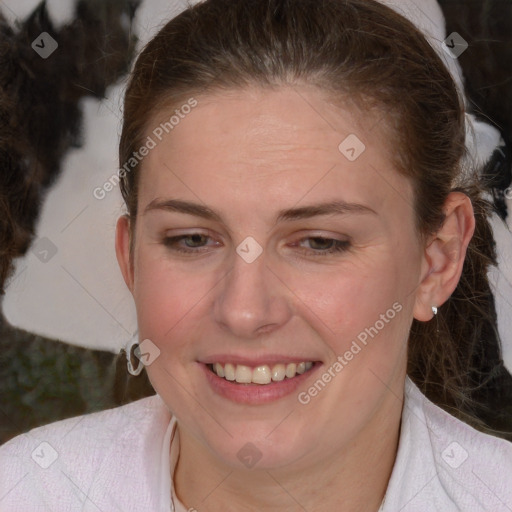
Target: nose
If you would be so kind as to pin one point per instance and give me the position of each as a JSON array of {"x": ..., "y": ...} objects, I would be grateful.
[{"x": 251, "y": 300}]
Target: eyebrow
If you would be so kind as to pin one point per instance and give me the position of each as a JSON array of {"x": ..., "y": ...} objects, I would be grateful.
[{"x": 337, "y": 207}]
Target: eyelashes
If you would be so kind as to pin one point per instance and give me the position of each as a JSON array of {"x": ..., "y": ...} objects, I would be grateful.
[
  {"x": 334, "y": 246},
  {"x": 171, "y": 242}
]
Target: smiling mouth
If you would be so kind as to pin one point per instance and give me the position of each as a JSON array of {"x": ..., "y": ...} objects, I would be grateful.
[{"x": 263, "y": 374}]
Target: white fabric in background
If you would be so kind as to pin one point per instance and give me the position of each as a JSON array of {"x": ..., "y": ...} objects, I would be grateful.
[
  {"x": 119, "y": 460},
  {"x": 429, "y": 18},
  {"x": 500, "y": 279}
]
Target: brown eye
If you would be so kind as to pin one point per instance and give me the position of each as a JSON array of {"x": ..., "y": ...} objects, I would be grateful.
[
  {"x": 321, "y": 246},
  {"x": 193, "y": 242}
]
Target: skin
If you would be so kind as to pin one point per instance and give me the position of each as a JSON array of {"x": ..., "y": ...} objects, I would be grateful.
[{"x": 247, "y": 154}]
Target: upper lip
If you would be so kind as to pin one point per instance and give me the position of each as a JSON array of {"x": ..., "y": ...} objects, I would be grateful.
[{"x": 255, "y": 361}]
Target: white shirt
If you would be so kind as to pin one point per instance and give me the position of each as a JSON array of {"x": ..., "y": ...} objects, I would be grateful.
[{"x": 124, "y": 459}]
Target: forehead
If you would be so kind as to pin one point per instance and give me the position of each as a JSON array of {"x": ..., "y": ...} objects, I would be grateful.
[{"x": 277, "y": 145}]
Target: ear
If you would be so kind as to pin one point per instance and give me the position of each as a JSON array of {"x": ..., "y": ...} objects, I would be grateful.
[
  {"x": 444, "y": 256},
  {"x": 123, "y": 250}
]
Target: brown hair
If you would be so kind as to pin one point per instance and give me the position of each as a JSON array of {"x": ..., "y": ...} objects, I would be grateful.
[{"x": 363, "y": 50}]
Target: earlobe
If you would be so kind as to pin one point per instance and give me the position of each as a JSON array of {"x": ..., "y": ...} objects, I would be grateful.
[
  {"x": 444, "y": 256},
  {"x": 123, "y": 250}
]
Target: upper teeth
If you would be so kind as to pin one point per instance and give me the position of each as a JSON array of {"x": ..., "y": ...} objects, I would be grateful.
[{"x": 263, "y": 374}]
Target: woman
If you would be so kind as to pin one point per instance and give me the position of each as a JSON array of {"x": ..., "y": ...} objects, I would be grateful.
[{"x": 299, "y": 218}]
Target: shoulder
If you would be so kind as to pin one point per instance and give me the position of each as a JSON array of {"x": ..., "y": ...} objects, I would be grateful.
[
  {"x": 449, "y": 464},
  {"x": 67, "y": 459},
  {"x": 89, "y": 429},
  {"x": 456, "y": 443}
]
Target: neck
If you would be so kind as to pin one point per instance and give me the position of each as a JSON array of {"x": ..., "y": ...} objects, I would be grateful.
[{"x": 353, "y": 478}]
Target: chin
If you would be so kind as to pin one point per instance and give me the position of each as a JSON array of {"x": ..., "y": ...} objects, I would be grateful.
[{"x": 259, "y": 449}]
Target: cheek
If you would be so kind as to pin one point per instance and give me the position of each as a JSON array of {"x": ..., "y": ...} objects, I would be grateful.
[
  {"x": 354, "y": 297},
  {"x": 167, "y": 298},
  {"x": 363, "y": 314}
]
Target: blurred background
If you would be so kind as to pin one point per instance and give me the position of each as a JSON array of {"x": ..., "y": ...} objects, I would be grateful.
[{"x": 65, "y": 313}]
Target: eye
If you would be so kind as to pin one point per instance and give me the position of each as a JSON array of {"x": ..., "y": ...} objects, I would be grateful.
[
  {"x": 322, "y": 246},
  {"x": 193, "y": 242}
]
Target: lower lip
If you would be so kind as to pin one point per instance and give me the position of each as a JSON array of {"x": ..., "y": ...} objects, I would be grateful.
[{"x": 256, "y": 394}]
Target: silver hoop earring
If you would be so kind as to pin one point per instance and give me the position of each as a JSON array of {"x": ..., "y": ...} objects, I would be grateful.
[{"x": 131, "y": 349}]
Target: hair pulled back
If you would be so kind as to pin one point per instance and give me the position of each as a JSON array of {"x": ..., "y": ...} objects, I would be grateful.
[{"x": 362, "y": 50}]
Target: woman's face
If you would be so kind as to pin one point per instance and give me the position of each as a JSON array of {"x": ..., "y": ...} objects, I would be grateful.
[{"x": 298, "y": 246}]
